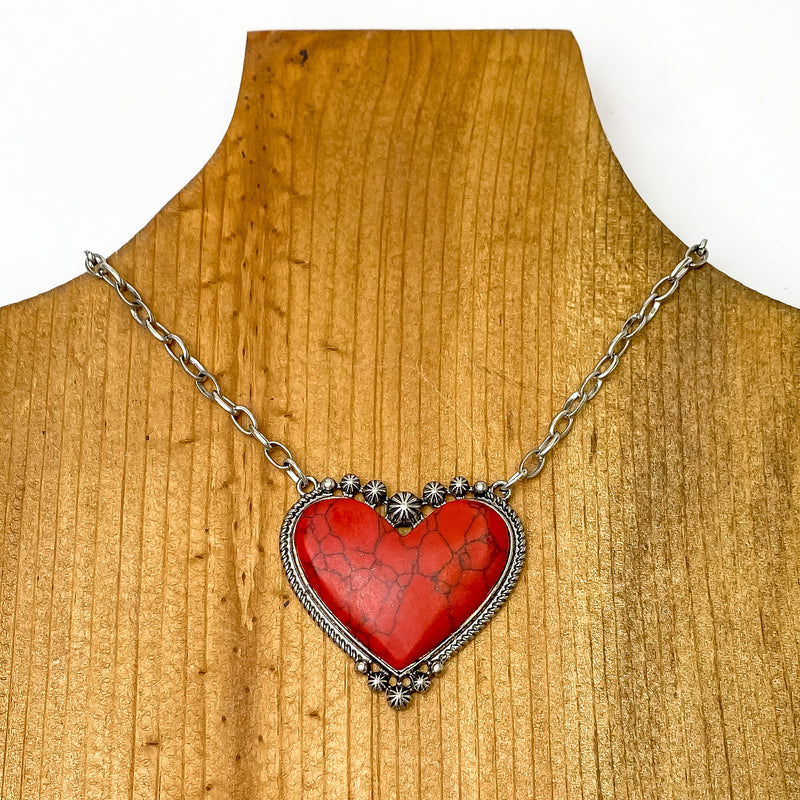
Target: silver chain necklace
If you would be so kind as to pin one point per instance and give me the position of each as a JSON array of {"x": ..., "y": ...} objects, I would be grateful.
[{"x": 401, "y": 602}]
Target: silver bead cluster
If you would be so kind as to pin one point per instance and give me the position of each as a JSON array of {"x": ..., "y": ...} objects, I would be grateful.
[
  {"x": 399, "y": 690},
  {"x": 404, "y": 509}
]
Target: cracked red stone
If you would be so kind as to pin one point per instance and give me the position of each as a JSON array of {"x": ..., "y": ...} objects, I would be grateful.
[{"x": 401, "y": 595}]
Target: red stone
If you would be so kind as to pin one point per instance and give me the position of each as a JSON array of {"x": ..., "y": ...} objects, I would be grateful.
[{"x": 401, "y": 595}]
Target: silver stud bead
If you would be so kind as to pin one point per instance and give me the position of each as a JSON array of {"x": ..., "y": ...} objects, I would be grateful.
[
  {"x": 480, "y": 488},
  {"x": 420, "y": 681},
  {"x": 374, "y": 493},
  {"x": 459, "y": 486},
  {"x": 362, "y": 667},
  {"x": 434, "y": 494},
  {"x": 403, "y": 509},
  {"x": 350, "y": 485},
  {"x": 378, "y": 681},
  {"x": 398, "y": 696},
  {"x": 437, "y": 667},
  {"x": 328, "y": 484}
]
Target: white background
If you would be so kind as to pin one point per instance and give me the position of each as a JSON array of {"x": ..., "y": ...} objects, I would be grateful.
[{"x": 108, "y": 110}]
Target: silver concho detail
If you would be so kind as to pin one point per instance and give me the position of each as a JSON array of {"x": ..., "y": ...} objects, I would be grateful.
[
  {"x": 459, "y": 486},
  {"x": 350, "y": 485},
  {"x": 403, "y": 509},
  {"x": 374, "y": 493},
  {"x": 398, "y": 696},
  {"x": 434, "y": 494},
  {"x": 378, "y": 680},
  {"x": 421, "y": 681}
]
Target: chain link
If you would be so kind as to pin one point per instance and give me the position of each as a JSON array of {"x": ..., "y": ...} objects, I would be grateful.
[
  {"x": 279, "y": 456},
  {"x": 533, "y": 461},
  {"x": 276, "y": 453}
]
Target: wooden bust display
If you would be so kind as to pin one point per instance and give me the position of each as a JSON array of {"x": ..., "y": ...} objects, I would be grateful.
[{"x": 407, "y": 250}]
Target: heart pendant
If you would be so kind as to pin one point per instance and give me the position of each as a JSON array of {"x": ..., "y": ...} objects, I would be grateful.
[{"x": 401, "y": 602}]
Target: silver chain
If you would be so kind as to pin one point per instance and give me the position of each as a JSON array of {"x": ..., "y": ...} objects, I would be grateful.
[
  {"x": 280, "y": 456},
  {"x": 533, "y": 461},
  {"x": 277, "y": 453}
]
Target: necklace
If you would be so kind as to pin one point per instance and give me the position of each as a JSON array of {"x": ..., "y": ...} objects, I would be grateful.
[{"x": 401, "y": 582}]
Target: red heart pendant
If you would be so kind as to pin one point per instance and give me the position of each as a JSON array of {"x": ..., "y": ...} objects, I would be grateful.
[
  {"x": 401, "y": 596},
  {"x": 400, "y": 604}
]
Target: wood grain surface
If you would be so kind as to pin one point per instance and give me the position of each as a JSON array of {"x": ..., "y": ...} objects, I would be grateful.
[{"x": 404, "y": 254}]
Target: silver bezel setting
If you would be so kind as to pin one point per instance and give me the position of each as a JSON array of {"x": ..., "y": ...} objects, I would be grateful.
[{"x": 432, "y": 662}]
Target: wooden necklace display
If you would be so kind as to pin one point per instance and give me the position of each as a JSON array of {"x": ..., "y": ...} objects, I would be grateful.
[{"x": 406, "y": 251}]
